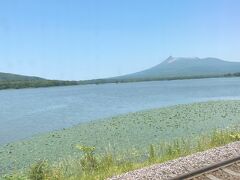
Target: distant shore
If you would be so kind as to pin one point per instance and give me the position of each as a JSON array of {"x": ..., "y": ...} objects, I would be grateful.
[{"x": 51, "y": 83}]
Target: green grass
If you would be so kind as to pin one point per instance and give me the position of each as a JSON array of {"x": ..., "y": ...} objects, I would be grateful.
[{"x": 92, "y": 166}]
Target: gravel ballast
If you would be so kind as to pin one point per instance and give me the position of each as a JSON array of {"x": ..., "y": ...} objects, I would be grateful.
[{"x": 183, "y": 165}]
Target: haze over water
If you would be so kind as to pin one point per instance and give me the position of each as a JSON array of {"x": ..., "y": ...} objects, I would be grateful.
[{"x": 27, "y": 112}]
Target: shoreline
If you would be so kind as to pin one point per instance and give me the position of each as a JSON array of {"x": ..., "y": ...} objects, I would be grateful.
[{"x": 110, "y": 81}]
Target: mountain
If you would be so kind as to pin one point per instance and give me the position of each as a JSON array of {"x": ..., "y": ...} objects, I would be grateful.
[
  {"x": 14, "y": 81},
  {"x": 182, "y": 67},
  {"x": 170, "y": 69},
  {"x": 15, "y": 77}
]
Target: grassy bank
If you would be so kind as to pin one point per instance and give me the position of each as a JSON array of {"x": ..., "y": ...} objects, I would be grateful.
[
  {"x": 92, "y": 166},
  {"x": 124, "y": 135}
]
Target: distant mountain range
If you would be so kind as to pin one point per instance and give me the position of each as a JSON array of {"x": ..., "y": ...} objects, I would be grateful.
[
  {"x": 171, "y": 69},
  {"x": 181, "y": 67}
]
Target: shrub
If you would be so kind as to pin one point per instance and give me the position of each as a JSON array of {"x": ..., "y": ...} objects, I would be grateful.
[
  {"x": 39, "y": 171},
  {"x": 88, "y": 162}
]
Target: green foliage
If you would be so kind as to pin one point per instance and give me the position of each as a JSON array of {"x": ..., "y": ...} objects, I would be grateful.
[
  {"x": 34, "y": 84},
  {"x": 39, "y": 171},
  {"x": 12, "y": 81},
  {"x": 42, "y": 170},
  {"x": 235, "y": 137},
  {"x": 16, "y": 176},
  {"x": 101, "y": 167},
  {"x": 88, "y": 162},
  {"x": 15, "y": 77},
  {"x": 152, "y": 155},
  {"x": 86, "y": 149},
  {"x": 106, "y": 161}
]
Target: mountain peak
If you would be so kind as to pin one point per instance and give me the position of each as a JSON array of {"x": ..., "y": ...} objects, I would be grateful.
[
  {"x": 185, "y": 67},
  {"x": 172, "y": 59}
]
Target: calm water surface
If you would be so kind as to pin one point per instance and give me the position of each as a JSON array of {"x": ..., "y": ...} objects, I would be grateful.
[{"x": 27, "y": 112}]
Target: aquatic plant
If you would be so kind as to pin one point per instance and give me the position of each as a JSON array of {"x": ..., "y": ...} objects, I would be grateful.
[
  {"x": 173, "y": 132},
  {"x": 91, "y": 166}
]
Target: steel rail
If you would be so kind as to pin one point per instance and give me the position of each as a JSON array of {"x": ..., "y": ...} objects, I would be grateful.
[{"x": 207, "y": 169}]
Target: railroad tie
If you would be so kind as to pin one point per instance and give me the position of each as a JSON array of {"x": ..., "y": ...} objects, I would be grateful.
[
  {"x": 231, "y": 172},
  {"x": 212, "y": 177}
]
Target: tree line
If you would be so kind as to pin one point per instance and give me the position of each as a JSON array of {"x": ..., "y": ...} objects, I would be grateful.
[{"x": 49, "y": 83}]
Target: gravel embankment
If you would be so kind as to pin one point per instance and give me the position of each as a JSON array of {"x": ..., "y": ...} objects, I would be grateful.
[{"x": 184, "y": 164}]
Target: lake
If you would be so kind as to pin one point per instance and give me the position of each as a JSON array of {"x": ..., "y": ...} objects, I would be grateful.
[{"x": 26, "y": 112}]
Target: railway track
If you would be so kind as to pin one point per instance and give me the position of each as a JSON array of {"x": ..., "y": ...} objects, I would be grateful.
[{"x": 226, "y": 170}]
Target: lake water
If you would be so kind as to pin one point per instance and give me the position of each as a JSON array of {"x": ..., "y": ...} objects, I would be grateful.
[{"x": 26, "y": 112}]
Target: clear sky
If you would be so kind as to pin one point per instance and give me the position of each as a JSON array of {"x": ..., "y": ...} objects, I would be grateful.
[{"x": 85, "y": 39}]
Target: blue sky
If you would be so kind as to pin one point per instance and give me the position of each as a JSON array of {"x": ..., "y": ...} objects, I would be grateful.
[{"x": 85, "y": 39}]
